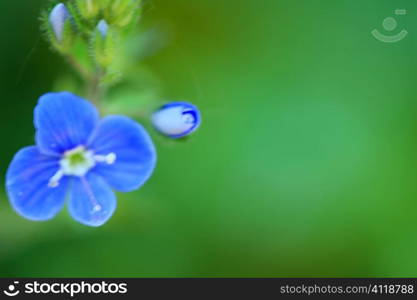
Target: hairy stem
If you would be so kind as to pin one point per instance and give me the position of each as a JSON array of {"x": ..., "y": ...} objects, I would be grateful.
[
  {"x": 83, "y": 72},
  {"x": 96, "y": 88}
]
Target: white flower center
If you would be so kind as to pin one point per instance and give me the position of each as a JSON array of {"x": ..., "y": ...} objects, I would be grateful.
[{"x": 77, "y": 162}]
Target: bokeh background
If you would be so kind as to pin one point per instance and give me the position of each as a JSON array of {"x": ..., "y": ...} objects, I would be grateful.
[{"x": 306, "y": 164}]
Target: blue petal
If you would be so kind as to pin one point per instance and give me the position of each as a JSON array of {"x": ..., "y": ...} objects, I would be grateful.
[
  {"x": 92, "y": 202},
  {"x": 134, "y": 150},
  {"x": 27, "y": 185},
  {"x": 177, "y": 119},
  {"x": 63, "y": 122}
]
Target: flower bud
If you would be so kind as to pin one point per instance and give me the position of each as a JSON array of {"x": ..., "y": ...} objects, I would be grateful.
[
  {"x": 88, "y": 9},
  {"x": 104, "y": 4},
  {"x": 104, "y": 45},
  {"x": 122, "y": 13},
  {"x": 103, "y": 27},
  {"x": 57, "y": 19},
  {"x": 176, "y": 119}
]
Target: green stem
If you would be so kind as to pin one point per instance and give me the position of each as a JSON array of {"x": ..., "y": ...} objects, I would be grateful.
[
  {"x": 96, "y": 88},
  {"x": 83, "y": 72}
]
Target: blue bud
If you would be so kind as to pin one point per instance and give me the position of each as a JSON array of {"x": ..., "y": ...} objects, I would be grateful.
[
  {"x": 57, "y": 18},
  {"x": 103, "y": 27},
  {"x": 176, "y": 119}
]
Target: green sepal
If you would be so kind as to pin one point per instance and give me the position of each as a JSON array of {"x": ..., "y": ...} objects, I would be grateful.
[
  {"x": 83, "y": 28},
  {"x": 122, "y": 13},
  {"x": 104, "y": 48},
  {"x": 88, "y": 9},
  {"x": 111, "y": 77}
]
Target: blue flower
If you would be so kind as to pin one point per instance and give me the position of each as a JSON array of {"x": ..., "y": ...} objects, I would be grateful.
[
  {"x": 177, "y": 119},
  {"x": 79, "y": 157},
  {"x": 103, "y": 28},
  {"x": 57, "y": 18}
]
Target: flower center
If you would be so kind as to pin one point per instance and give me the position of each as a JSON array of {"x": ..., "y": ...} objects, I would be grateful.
[{"x": 77, "y": 162}]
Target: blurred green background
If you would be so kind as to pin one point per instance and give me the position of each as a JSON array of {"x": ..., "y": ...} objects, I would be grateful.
[{"x": 306, "y": 163}]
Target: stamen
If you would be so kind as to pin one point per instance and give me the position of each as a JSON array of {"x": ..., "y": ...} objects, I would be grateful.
[
  {"x": 96, "y": 206},
  {"x": 108, "y": 159},
  {"x": 77, "y": 162},
  {"x": 54, "y": 181}
]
